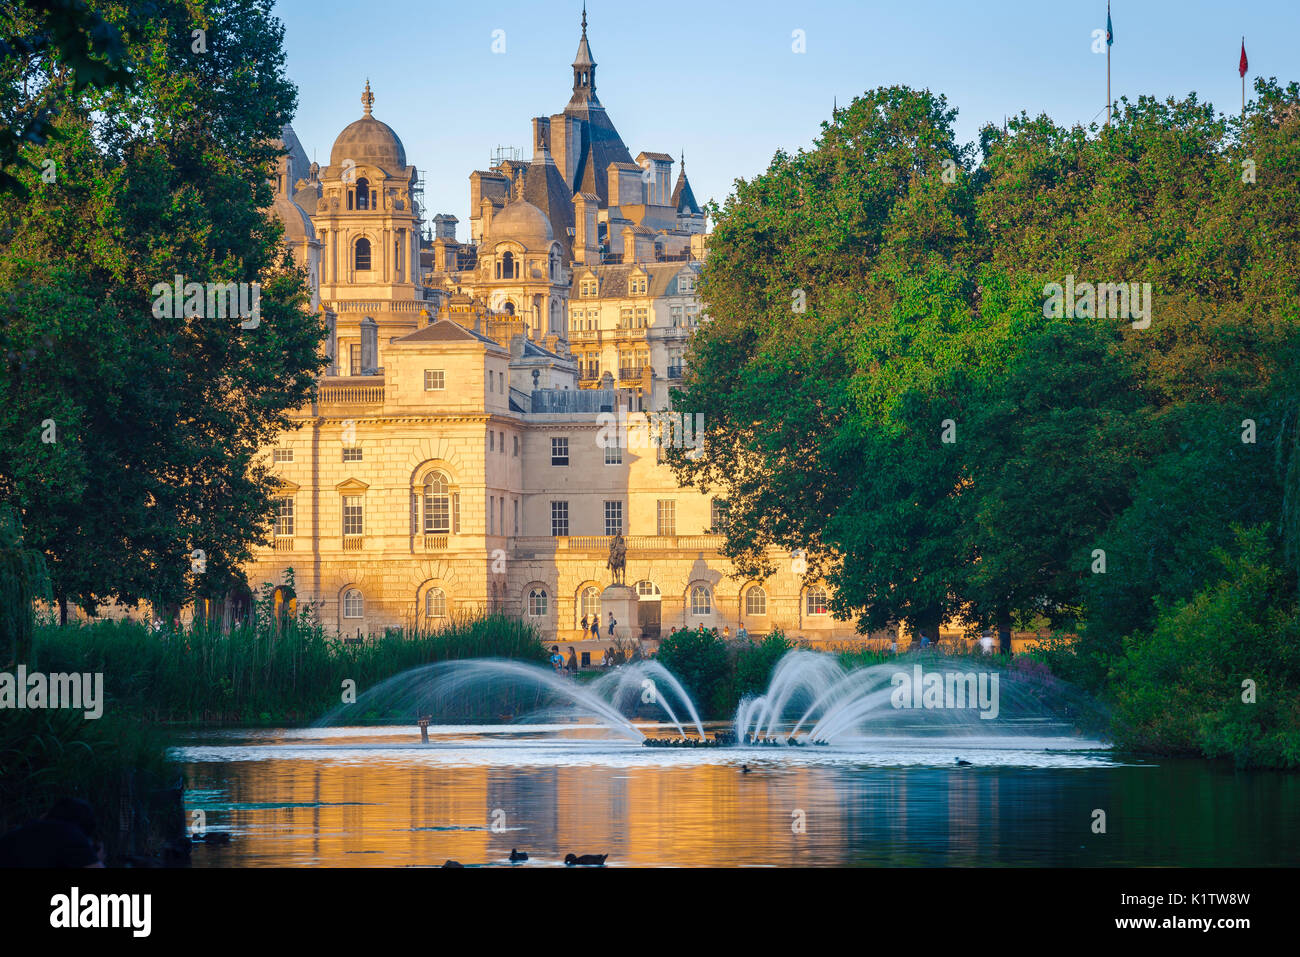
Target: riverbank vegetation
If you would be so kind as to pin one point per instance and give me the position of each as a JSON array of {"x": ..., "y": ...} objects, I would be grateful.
[{"x": 920, "y": 369}]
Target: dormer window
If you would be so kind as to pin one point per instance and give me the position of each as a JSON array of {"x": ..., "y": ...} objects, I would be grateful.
[
  {"x": 638, "y": 286},
  {"x": 588, "y": 288}
]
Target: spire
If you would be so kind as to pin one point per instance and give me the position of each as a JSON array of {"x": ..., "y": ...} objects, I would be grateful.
[
  {"x": 367, "y": 98},
  {"x": 584, "y": 65}
]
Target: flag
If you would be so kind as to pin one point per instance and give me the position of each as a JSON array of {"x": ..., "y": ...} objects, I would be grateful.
[
  {"x": 1110, "y": 33},
  {"x": 1243, "y": 64}
]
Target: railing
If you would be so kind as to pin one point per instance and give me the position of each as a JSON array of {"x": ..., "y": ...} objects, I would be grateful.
[
  {"x": 352, "y": 394},
  {"x": 674, "y": 372},
  {"x": 284, "y": 543},
  {"x": 600, "y": 543},
  {"x": 353, "y": 543},
  {"x": 435, "y": 542},
  {"x": 380, "y": 305}
]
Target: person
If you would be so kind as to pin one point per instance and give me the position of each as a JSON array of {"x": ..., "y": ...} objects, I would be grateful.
[
  {"x": 557, "y": 659},
  {"x": 893, "y": 646},
  {"x": 572, "y": 664},
  {"x": 925, "y": 642},
  {"x": 612, "y": 623},
  {"x": 595, "y": 627},
  {"x": 986, "y": 643},
  {"x": 65, "y": 836},
  {"x": 742, "y": 634},
  {"x": 584, "y": 624},
  {"x": 726, "y": 634}
]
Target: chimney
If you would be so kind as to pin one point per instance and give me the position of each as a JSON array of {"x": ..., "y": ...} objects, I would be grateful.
[
  {"x": 586, "y": 239},
  {"x": 369, "y": 347}
]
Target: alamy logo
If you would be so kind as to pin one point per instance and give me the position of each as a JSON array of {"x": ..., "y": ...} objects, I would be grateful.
[
  {"x": 640, "y": 430},
  {"x": 37, "y": 690},
  {"x": 75, "y": 909},
  {"x": 1114, "y": 300},
  {"x": 214, "y": 300},
  {"x": 946, "y": 690}
]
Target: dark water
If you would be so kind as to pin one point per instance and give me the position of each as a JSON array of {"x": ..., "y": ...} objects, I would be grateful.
[{"x": 365, "y": 797}]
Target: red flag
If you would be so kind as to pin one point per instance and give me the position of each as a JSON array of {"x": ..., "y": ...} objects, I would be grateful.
[{"x": 1243, "y": 65}]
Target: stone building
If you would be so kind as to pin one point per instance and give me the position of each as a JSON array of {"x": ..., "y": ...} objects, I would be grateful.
[{"x": 458, "y": 456}]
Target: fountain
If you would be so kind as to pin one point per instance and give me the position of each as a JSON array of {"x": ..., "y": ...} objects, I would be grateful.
[{"x": 811, "y": 699}]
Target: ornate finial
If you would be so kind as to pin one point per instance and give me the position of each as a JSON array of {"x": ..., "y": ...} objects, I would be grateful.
[
  {"x": 367, "y": 98},
  {"x": 584, "y": 17}
]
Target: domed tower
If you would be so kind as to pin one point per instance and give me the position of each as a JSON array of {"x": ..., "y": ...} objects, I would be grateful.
[
  {"x": 369, "y": 228},
  {"x": 522, "y": 271}
]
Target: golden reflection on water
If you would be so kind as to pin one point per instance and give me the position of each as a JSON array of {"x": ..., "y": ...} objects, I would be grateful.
[{"x": 392, "y": 811}]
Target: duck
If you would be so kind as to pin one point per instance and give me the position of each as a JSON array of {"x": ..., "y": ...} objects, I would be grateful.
[
  {"x": 517, "y": 856},
  {"x": 451, "y": 863},
  {"x": 592, "y": 860},
  {"x": 745, "y": 769},
  {"x": 962, "y": 764}
]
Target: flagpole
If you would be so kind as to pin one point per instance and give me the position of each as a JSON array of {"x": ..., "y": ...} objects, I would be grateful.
[
  {"x": 1109, "y": 40},
  {"x": 1243, "y": 85}
]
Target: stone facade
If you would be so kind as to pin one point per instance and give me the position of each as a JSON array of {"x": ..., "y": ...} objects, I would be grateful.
[{"x": 458, "y": 458}]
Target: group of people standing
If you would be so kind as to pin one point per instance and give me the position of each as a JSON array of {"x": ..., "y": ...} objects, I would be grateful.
[{"x": 595, "y": 625}]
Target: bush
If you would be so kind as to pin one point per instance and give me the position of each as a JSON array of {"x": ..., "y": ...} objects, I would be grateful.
[
  {"x": 699, "y": 660},
  {"x": 1180, "y": 690}
]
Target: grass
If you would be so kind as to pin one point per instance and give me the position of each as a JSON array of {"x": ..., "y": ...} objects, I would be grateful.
[{"x": 254, "y": 675}]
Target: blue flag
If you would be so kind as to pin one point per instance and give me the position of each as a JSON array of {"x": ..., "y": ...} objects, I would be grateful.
[{"x": 1110, "y": 33}]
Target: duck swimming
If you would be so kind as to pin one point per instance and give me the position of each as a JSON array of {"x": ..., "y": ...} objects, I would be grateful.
[
  {"x": 591, "y": 860},
  {"x": 517, "y": 856}
]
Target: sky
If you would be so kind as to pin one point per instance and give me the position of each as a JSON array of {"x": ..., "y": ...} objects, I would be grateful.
[{"x": 722, "y": 81}]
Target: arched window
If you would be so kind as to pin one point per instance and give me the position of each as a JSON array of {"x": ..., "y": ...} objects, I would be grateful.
[
  {"x": 435, "y": 603},
  {"x": 537, "y": 602},
  {"x": 647, "y": 589},
  {"x": 353, "y": 606},
  {"x": 363, "y": 193},
  {"x": 507, "y": 266},
  {"x": 510, "y": 308},
  {"x": 362, "y": 258},
  {"x": 437, "y": 504},
  {"x": 590, "y": 602},
  {"x": 756, "y": 601},
  {"x": 815, "y": 601},
  {"x": 701, "y": 600}
]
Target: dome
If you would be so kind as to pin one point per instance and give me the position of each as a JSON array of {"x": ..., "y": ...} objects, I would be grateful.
[
  {"x": 523, "y": 223},
  {"x": 369, "y": 141},
  {"x": 297, "y": 224}
]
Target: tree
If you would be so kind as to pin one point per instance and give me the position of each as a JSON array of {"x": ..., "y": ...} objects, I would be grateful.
[{"x": 135, "y": 437}]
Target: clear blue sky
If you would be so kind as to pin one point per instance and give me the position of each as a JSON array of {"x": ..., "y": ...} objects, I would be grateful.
[{"x": 720, "y": 80}]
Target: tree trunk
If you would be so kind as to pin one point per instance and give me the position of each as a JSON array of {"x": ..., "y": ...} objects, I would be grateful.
[
  {"x": 1004, "y": 630},
  {"x": 63, "y": 610}
]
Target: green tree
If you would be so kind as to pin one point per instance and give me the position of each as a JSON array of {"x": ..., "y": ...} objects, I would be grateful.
[{"x": 157, "y": 422}]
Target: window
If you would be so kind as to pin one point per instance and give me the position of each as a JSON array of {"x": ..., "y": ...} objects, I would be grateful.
[
  {"x": 435, "y": 603},
  {"x": 614, "y": 454},
  {"x": 361, "y": 260},
  {"x": 352, "y": 455},
  {"x": 353, "y": 515},
  {"x": 354, "y": 359},
  {"x": 666, "y": 517},
  {"x": 642, "y": 318},
  {"x": 560, "y": 519},
  {"x": 718, "y": 515},
  {"x": 352, "y": 604},
  {"x": 516, "y": 446},
  {"x": 756, "y": 601},
  {"x": 516, "y": 516},
  {"x": 537, "y": 602},
  {"x": 435, "y": 380},
  {"x": 492, "y": 515},
  {"x": 701, "y": 600},
  {"x": 685, "y": 284},
  {"x": 492, "y": 441},
  {"x": 815, "y": 601},
  {"x": 587, "y": 288},
  {"x": 638, "y": 286},
  {"x": 613, "y": 518},
  {"x": 559, "y": 451},
  {"x": 437, "y": 505},
  {"x": 363, "y": 196},
  {"x": 625, "y": 318},
  {"x": 284, "y": 516},
  {"x": 648, "y": 590},
  {"x": 282, "y": 455},
  {"x": 590, "y": 602},
  {"x": 675, "y": 314}
]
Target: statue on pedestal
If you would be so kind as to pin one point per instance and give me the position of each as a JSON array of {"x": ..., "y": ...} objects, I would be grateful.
[{"x": 617, "y": 558}]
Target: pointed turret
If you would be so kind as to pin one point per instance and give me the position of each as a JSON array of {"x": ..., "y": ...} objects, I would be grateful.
[
  {"x": 683, "y": 199},
  {"x": 584, "y": 69}
]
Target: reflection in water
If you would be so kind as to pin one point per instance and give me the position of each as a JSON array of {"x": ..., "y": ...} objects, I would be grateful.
[{"x": 351, "y": 797}]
